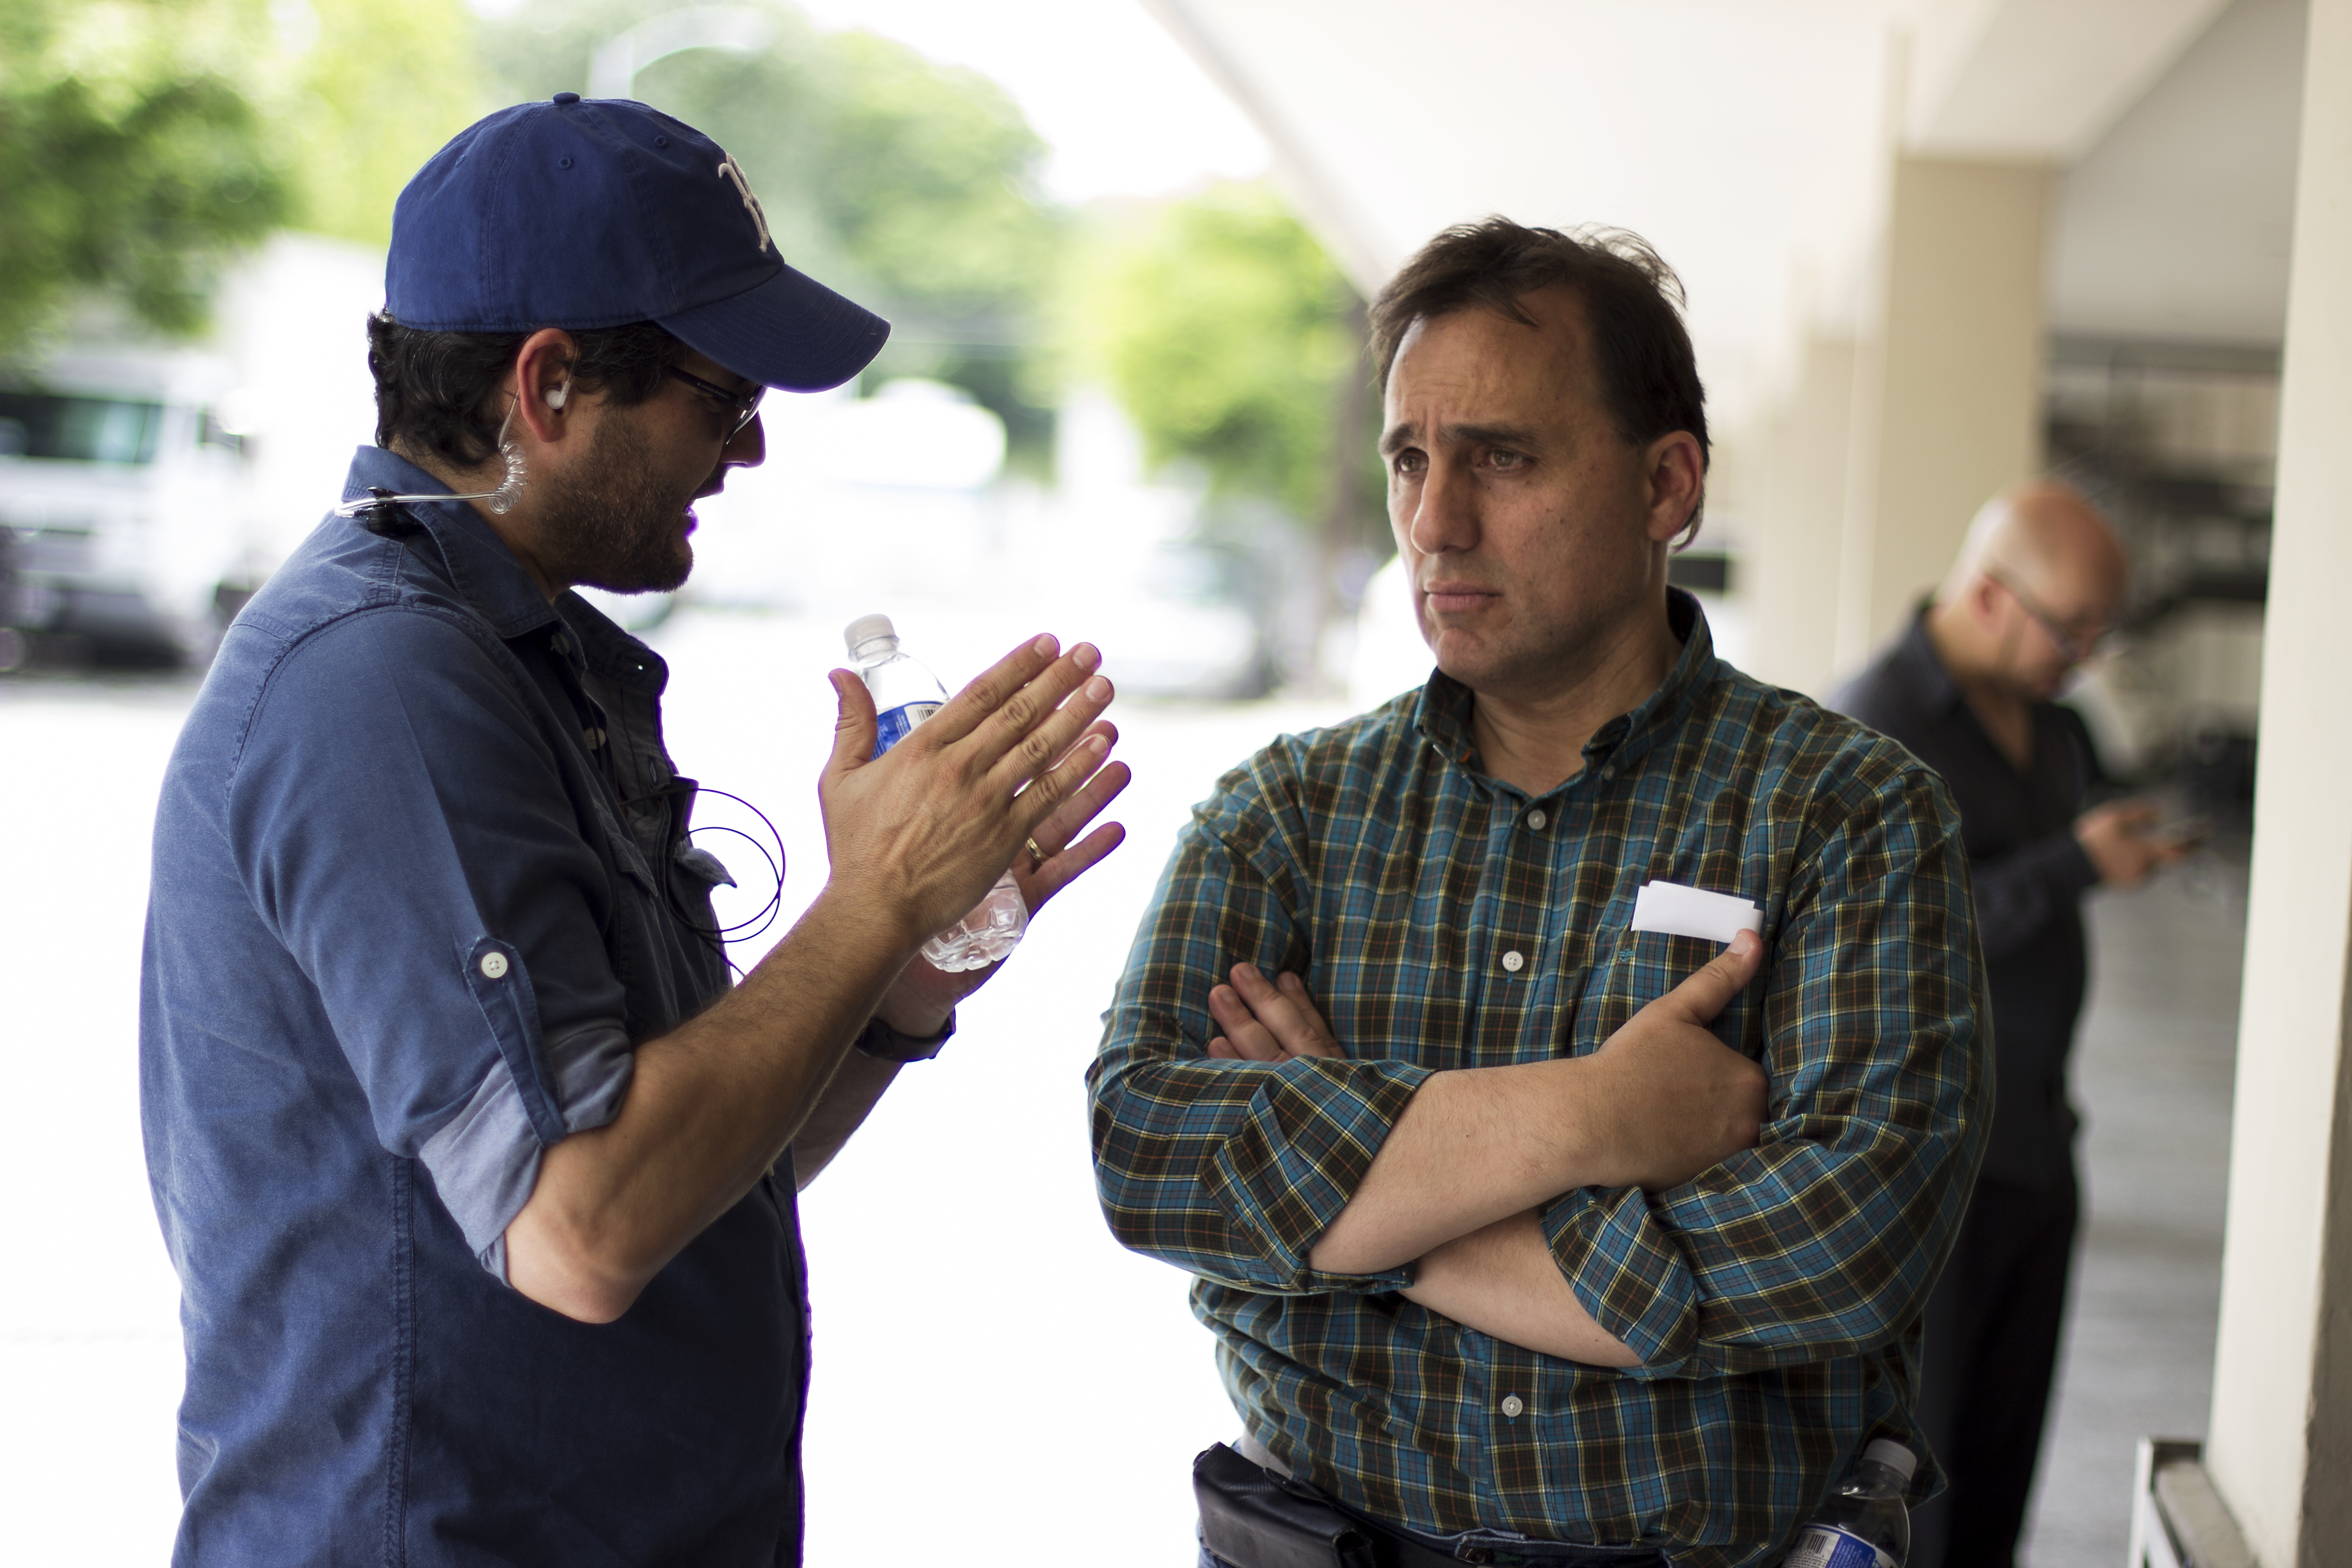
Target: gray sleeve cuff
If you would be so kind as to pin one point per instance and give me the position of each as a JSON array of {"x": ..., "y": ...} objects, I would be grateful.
[{"x": 484, "y": 1159}]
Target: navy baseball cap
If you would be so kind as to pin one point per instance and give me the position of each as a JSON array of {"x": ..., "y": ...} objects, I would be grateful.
[{"x": 583, "y": 213}]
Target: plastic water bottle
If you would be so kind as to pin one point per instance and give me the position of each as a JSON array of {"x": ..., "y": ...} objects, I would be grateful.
[
  {"x": 904, "y": 694},
  {"x": 1864, "y": 1524}
]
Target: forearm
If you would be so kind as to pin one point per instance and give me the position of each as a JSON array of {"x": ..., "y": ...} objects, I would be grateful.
[
  {"x": 709, "y": 1108},
  {"x": 857, "y": 1087},
  {"x": 1473, "y": 1146},
  {"x": 1502, "y": 1280}
]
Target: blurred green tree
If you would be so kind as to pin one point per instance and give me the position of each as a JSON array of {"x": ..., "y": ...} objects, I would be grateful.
[
  {"x": 1237, "y": 347},
  {"x": 136, "y": 158},
  {"x": 910, "y": 186},
  {"x": 148, "y": 141},
  {"x": 1227, "y": 334},
  {"x": 363, "y": 94}
]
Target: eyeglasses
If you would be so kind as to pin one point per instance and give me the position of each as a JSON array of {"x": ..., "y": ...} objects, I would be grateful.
[
  {"x": 745, "y": 404},
  {"x": 2079, "y": 647}
]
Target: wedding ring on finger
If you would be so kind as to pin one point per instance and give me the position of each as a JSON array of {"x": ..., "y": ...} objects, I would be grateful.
[{"x": 1036, "y": 856}]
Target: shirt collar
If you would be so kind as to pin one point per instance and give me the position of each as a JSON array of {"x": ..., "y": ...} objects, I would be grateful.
[
  {"x": 1920, "y": 667},
  {"x": 1443, "y": 715},
  {"x": 480, "y": 566}
]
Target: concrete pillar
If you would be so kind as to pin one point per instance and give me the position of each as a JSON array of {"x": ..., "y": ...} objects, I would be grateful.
[
  {"x": 1948, "y": 387},
  {"x": 2280, "y": 1444},
  {"x": 1789, "y": 571}
]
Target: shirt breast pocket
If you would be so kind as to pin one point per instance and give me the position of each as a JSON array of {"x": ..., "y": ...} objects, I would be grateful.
[{"x": 1647, "y": 964}]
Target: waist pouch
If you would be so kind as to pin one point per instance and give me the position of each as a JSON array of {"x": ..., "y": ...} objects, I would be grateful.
[{"x": 1253, "y": 1517}]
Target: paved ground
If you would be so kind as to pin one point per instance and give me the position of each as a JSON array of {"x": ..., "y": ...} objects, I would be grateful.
[
  {"x": 2153, "y": 1074},
  {"x": 1010, "y": 1364}
]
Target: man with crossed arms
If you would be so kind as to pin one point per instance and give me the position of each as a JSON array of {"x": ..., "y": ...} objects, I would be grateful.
[{"x": 1559, "y": 1242}]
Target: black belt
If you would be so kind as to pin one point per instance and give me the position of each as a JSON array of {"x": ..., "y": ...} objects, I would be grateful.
[{"x": 1253, "y": 1516}]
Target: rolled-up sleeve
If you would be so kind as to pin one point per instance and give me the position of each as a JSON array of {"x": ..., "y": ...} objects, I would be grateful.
[
  {"x": 1231, "y": 1169},
  {"x": 402, "y": 825},
  {"x": 1824, "y": 1239}
]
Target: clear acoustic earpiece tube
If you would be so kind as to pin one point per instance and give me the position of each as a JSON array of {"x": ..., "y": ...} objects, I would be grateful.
[{"x": 502, "y": 499}]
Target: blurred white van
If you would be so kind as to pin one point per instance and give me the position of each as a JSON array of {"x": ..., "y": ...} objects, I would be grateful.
[{"x": 122, "y": 502}]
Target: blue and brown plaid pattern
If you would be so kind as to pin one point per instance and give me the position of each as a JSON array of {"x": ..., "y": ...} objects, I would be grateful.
[{"x": 1775, "y": 1300}]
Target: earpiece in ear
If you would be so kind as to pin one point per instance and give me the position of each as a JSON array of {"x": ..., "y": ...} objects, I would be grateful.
[{"x": 555, "y": 398}]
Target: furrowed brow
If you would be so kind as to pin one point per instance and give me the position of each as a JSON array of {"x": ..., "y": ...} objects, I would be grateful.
[
  {"x": 1514, "y": 436},
  {"x": 1399, "y": 437}
]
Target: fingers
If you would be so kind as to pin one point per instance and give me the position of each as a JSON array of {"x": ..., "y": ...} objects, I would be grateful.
[
  {"x": 1713, "y": 985},
  {"x": 1030, "y": 722},
  {"x": 853, "y": 726},
  {"x": 1282, "y": 1011},
  {"x": 1052, "y": 875},
  {"x": 1245, "y": 1038},
  {"x": 1050, "y": 791},
  {"x": 1022, "y": 746},
  {"x": 995, "y": 686},
  {"x": 1069, "y": 820}
]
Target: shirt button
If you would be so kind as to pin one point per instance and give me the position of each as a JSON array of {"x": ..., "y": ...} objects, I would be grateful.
[
  {"x": 595, "y": 738},
  {"x": 1513, "y": 1405},
  {"x": 1536, "y": 818},
  {"x": 1514, "y": 962},
  {"x": 494, "y": 966},
  {"x": 560, "y": 643},
  {"x": 1609, "y": 772}
]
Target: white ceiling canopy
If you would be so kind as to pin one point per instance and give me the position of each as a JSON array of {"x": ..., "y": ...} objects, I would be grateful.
[{"x": 1749, "y": 141}]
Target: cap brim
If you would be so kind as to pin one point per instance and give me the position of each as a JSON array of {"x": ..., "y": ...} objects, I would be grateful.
[{"x": 791, "y": 332}]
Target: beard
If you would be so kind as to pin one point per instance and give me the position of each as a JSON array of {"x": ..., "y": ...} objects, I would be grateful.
[{"x": 615, "y": 525}]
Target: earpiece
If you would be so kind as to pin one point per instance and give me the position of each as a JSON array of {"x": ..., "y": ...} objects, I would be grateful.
[{"x": 555, "y": 398}]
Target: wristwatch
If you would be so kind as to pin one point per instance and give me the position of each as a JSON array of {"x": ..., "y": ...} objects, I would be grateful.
[{"x": 884, "y": 1044}]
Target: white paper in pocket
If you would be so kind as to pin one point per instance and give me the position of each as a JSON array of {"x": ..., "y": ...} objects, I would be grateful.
[{"x": 1677, "y": 910}]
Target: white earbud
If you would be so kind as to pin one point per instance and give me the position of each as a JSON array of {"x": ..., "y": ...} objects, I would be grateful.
[{"x": 555, "y": 398}]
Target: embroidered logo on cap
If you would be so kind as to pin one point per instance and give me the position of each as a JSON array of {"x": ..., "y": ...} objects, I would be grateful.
[{"x": 728, "y": 170}]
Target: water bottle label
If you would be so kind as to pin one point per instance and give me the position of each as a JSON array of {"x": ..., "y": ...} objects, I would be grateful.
[
  {"x": 891, "y": 728},
  {"x": 1827, "y": 1546}
]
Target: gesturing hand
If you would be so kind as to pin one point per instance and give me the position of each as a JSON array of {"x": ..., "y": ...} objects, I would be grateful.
[
  {"x": 919, "y": 833},
  {"x": 919, "y": 999},
  {"x": 1663, "y": 1099},
  {"x": 1268, "y": 1022}
]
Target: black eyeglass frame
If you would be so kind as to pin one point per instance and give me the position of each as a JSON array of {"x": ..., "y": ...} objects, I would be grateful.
[
  {"x": 2077, "y": 648},
  {"x": 745, "y": 403}
]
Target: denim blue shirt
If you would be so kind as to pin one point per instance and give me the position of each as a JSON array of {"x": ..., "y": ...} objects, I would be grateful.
[{"x": 421, "y": 887}]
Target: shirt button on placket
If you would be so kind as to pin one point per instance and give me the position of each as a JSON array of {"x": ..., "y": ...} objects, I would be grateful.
[
  {"x": 1515, "y": 961},
  {"x": 494, "y": 966},
  {"x": 1514, "y": 1407},
  {"x": 1536, "y": 818}
]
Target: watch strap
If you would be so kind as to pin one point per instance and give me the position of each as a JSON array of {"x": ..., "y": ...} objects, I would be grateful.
[{"x": 884, "y": 1044}]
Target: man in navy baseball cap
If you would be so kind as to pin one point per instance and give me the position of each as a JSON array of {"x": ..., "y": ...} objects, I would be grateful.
[{"x": 479, "y": 1175}]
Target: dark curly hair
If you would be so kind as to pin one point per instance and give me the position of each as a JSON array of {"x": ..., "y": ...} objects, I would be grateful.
[
  {"x": 1633, "y": 301},
  {"x": 436, "y": 392}
]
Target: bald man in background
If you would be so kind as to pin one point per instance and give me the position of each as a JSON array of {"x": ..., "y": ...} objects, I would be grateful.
[{"x": 1968, "y": 689}]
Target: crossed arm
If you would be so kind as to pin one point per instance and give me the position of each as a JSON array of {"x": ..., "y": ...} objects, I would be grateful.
[
  {"x": 1458, "y": 1184},
  {"x": 1283, "y": 1163}
]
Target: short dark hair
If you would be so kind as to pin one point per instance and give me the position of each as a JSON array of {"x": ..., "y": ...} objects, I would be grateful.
[
  {"x": 434, "y": 391},
  {"x": 1632, "y": 302}
]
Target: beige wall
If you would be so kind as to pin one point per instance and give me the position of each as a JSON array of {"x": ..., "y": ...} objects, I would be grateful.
[
  {"x": 1948, "y": 401},
  {"x": 2280, "y": 1444},
  {"x": 1789, "y": 573}
]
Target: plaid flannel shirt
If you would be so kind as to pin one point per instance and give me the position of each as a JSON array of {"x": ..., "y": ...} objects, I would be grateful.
[{"x": 1443, "y": 920}]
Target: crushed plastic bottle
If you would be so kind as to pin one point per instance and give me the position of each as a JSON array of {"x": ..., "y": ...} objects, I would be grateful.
[
  {"x": 904, "y": 694},
  {"x": 1864, "y": 1524}
]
